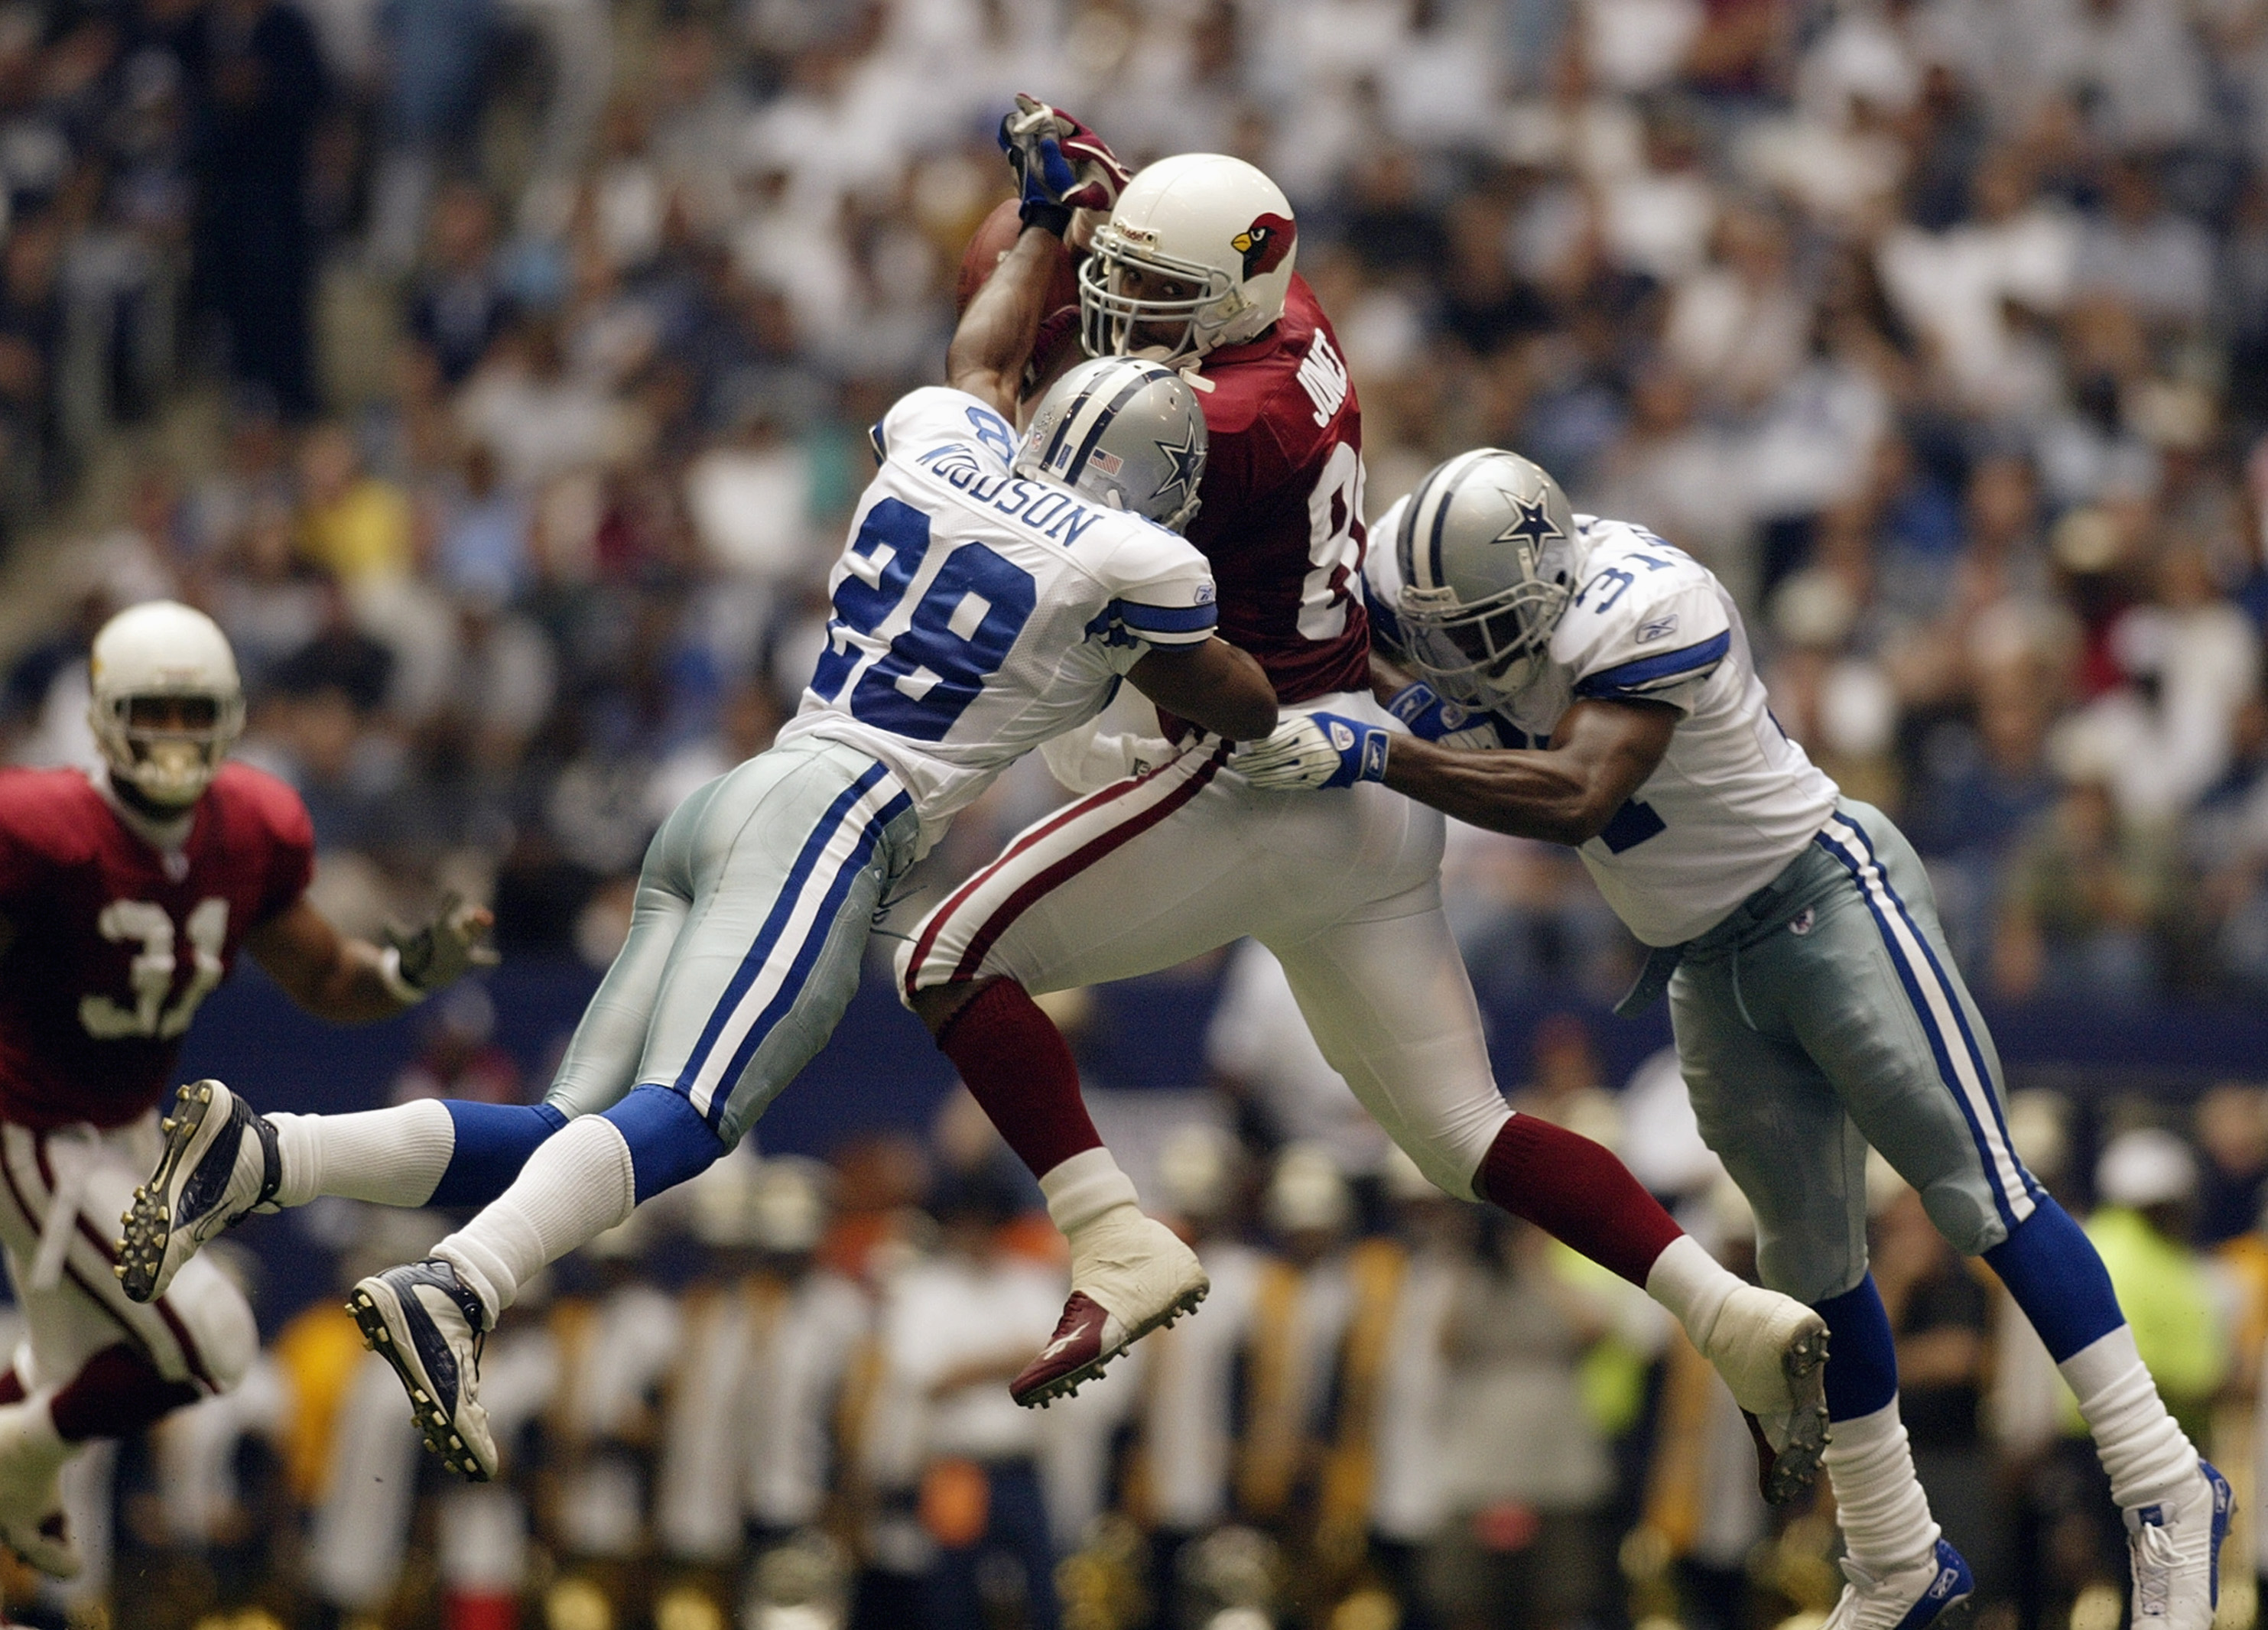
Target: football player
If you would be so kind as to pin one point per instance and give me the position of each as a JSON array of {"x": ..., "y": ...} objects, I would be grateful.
[
  {"x": 1194, "y": 268},
  {"x": 1584, "y": 683},
  {"x": 992, "y": 593},
  {"x": 125, "y": 898}
]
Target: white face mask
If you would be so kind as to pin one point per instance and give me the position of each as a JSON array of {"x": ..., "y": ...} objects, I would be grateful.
[{"x": 171, "y": 770}]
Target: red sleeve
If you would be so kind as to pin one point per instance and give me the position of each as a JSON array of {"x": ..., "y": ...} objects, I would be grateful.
[{"x": 36, "y": 828}]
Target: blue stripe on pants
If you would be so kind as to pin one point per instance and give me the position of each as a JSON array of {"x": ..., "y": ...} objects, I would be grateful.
[
  {"x": 2032, "y": 1191},
  {"x": 1921, "y": 979},
  {"x": 775, "y": 923},
  {"x": 808, "y": 954}
]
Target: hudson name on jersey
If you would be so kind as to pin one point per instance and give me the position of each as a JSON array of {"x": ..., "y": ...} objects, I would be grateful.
[
  {"x": 1282, "y": 521},
  {"x": 1732, "y": 802},
  {"x": 111, "y": 945},
  {"x": 978, "y": 613}
]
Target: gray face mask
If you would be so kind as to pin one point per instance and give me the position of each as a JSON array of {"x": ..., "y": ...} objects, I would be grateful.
[
  {"x": 1126, "y": 433},
  {"x": 1486, "y": 549}
]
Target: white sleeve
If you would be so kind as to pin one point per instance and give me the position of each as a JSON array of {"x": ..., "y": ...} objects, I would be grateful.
[
  {"x": 1161, "y": 590},
  {"x": 1638, "y": 632},
  {"x": 935, "y": 414}
]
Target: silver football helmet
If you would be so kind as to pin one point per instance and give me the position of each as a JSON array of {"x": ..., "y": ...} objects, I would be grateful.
[
  {"x": 1126, "y": 433},
  {"x": 1486, "y": 547}
]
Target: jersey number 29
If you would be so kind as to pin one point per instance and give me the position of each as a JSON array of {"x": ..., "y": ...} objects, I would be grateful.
[
  {"x": 961, "y": 632},
  {"x": 151, "y": 974}
]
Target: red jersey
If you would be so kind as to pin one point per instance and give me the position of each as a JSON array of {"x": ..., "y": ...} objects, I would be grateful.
[
  {"x": 1281, "y": 520},
  {"x": 112, "y": 946}
]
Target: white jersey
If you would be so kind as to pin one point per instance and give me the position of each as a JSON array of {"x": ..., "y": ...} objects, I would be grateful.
[
  {"x": 978, "y": 613},
  {"x": 1732, "y": 802}
]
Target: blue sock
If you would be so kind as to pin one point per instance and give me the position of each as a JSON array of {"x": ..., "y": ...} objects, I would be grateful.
[
  {"x": 1862, "y": 1356},
  {"x": 2053, "y": 1271},
  {"x": 493, "y": 1142},
  {"x": 669, "y": 1141}
]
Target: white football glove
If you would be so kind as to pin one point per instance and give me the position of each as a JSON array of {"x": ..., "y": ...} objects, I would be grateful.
[
  {"x": 1313, "y": 750},
  {"x": 438, "y": 954}
]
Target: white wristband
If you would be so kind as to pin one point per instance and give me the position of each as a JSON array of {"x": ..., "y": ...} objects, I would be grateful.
[{"x": 389, "y": 975}]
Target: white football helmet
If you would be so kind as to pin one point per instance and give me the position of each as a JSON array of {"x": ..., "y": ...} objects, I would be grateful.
[
  {"x": 1487, "y": 551},
  {"x": 1211, "y": 223},
  {"x": 162, "y": 649}
]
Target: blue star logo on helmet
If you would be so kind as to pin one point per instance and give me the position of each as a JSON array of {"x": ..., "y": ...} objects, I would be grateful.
[
  {"x": 1531, "y": 523},
  {"x": 1187, "y": 459}
]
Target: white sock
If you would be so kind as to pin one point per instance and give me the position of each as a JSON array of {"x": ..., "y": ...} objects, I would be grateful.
[
  {"x": 2144, "y": 1449},
  {"x": 1082, "y": 1188},
  {"x": 575, "y": 1187},
  {"x": 1692, "y": 1284},
  {"x": 1877, "y": 1500},
  {"x": 391, "y": 1156}
]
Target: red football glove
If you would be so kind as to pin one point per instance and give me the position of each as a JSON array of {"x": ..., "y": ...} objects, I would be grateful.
[{"x": 1060, "y": 165}]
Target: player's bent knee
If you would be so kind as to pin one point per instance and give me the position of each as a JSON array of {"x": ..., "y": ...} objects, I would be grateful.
[
  {"x": 1797, "y": 1268},
  {"x": 937, "y": 1006},
  {"x": 1963, "y": 1215},
  {"x": 224, "y": 1337}
]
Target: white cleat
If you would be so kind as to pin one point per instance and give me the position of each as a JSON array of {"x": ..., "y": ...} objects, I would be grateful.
[
  {"x": 1772, "y": 1352},
  {"x": 1130, "y": 1274},
  {"x": 424, "y": 1321},
  {"x": 219, "y": 1165},
  {"x": 2175, "y": 1549},
  {"x": 32, "y": 1459},
  {"x": 1906, "y": 1598}
]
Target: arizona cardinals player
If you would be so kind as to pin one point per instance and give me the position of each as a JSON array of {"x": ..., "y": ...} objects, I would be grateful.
[
  {"x": 125, "y": 896},
  {"x": 1195, "y": 267}
]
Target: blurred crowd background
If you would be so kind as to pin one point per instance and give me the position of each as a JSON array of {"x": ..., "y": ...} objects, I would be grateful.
[{"x": 496, "y": 371}]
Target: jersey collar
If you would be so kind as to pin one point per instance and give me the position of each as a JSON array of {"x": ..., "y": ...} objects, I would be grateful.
[{"x": 169, "y": 837}]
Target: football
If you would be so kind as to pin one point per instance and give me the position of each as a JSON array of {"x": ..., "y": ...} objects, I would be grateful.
[
  {"x": 993, "y": 238},
  {"x": 1056, "y": 348}
]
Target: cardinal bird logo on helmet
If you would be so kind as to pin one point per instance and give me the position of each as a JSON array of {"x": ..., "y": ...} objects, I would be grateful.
[{"x": 1264, "y": 243}]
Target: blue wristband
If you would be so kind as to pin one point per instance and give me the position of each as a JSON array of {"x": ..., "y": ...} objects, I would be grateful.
[
  {"x": 1361, "y": 748},
  {"x": 1422, "y": 710}
]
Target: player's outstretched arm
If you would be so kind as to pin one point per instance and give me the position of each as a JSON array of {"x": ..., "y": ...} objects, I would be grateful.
[
  {"x": 1567, "y": 793},
  {"x": 351, "y": 982},
  {"x": 1601, "y": 754},
  {"x": 996, "y": 334},
  {"x": 1214, "y": 685}
]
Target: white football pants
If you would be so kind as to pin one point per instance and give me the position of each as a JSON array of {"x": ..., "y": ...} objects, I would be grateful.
[
  {"x": 62, "y": 1194},
  {"x": 1342, "y": 886}
]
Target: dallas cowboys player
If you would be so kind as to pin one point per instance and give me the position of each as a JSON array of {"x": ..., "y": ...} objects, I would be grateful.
[
  {"x": 992, "y": 596},
  {"x": 1584, "y": 683}
]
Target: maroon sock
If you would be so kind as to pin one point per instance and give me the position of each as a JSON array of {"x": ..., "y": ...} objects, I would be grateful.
[
  {"x": 116, "y": 1394},
  {"x": 1015, "y": 1064},
  {"x": 1578, "y": 1193},
  {"x": 11, "y": 1387}
]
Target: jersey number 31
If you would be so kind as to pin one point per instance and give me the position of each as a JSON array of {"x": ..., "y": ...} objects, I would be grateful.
[
  {"x": 151, "y": 974},
  {"x": 961, "y": 632}
]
